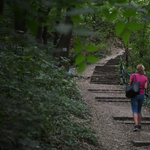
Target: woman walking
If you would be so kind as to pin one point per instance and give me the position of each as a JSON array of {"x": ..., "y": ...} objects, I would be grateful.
[{"x": 137, "y": 101}]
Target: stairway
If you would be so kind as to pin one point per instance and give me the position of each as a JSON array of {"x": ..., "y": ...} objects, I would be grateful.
[{"x": 108, "y": 75}]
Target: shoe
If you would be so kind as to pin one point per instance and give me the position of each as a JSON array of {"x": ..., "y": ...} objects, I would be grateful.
[
  {"x": 136, "y": 128},
  {"x": 139, "y": 127}
]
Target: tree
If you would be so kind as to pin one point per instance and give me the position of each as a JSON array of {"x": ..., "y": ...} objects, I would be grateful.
[{"x": 39, "y": 101}]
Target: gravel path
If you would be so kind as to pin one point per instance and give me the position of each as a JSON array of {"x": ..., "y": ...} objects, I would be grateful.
[{"x": 113, "y": 134}]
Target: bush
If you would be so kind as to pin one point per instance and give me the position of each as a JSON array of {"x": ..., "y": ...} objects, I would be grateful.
[{"x": 40, "y": 104}]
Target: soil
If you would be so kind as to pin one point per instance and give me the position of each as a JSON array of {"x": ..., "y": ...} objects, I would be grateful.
[{"x": 113, "y": 134}]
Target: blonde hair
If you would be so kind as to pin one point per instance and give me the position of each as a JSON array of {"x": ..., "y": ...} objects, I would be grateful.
[{"x": 140, "y": 69}]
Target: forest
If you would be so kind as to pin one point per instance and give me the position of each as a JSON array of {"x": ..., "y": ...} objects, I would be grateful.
[{"x": 41, "y": 106}]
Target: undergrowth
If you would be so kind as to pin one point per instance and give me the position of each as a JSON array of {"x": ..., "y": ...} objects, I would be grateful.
[{"x": 41, "y": 107}]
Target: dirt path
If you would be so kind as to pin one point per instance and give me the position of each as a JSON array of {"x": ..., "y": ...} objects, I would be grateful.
[{"x": 113, "y": 134}]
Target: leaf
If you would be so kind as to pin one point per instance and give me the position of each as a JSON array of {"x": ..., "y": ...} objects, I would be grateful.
[
  {"x": 142, "y": 10},
  {"x": 79, "y": 59},
  {"x": 91, "y": 48},
  {"x": 134, "y": 4},
  {"x": 133, "y": 26},
  {"x": 146, "y": 18},
  {"x": 21, "y": 71},
  {"x": 121, "y": 1},
  {"x": 83, "y": 32},
  {"x": 92, "y": 59},
  {"x": 79, "y": 11},
  {"x": 77, "y": 40},
  {"x": 78, "y": 48},
  {"x": 125, "y": 36},
  {"x": 64, "y": 28},
  {"x": 33, "y": 26},
  {"x": 148, "y": 53},
  {"x": 81, "y": 67},
  {"x": 99, "y": 3},
  {"x": 111, "y": 2},
  {"x": 105, "y": 12},
  {"x": 76, "y": 19},
  {"x": 129, "y": 13},
  {"x": 120, "y": 27},
  {"x": 113, "y": 16}
]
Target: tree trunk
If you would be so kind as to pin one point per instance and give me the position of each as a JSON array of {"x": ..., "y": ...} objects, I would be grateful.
[
  {"x": 45, "y": 35},
  {"x": 64, "y": 42},
  {"x": 1, "y": 6},
  {"x": 39, "y": 30},
  {"x": 56, "y": 34},
  {"x": 20, "y": 23},
  {"x": 42, "y": 32}
]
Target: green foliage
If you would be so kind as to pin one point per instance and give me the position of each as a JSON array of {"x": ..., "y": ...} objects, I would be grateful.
[
  {"x": 120, "y": 27},
  {"x": 40, "y": 105},
  {"x": 125, "y": 36},
  {"x": 92, "y": 59}
]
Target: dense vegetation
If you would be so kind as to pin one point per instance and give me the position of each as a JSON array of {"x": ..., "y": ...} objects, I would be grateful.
[{"x": 41, "y": 107}]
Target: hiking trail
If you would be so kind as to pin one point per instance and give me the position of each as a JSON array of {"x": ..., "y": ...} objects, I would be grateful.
[{"x": 110, "y": 109}]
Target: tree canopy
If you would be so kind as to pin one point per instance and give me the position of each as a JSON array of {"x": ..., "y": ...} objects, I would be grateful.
[{"x": 41, "y": 106}]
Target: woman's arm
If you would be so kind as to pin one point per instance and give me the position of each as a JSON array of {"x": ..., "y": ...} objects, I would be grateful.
[
  {"x": 146, "y": 84},
  {"x": 130, "y": 82}
]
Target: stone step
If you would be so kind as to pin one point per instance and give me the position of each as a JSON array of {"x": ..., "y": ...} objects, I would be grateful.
[
  {"x": 141, "y": 143},
  {"x": 122, "y": 101},
  {"x": 105, "y": 75},
  {"x": 109, "y": 80},
  {"x": 106, "y": 91},
  {"x": 129, "y": 118},
  {"x": 112, "y": 99},
  {"x": 132, "y": 122},
  {"x": 108, "y": 68},
  {"x": 113, "y": 61},
  {"x": 107, "y": 83}
]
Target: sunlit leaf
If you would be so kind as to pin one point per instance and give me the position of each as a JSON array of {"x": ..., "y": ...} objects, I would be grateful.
[
  {"x": 125, "y": 36},
  {"x": 133, "y": 26},
  {"x": 82, "y": 67},
  {"x": 113, "y": 16},
  {"x": 79, "y": 59},
  {"x": 92, "y": 59},
  {"x": 91, "y": 48},
  {"x": 120, "y": 27},
  {"x": 129, "y": 13},
  {"x": 78, "y": 48}
]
